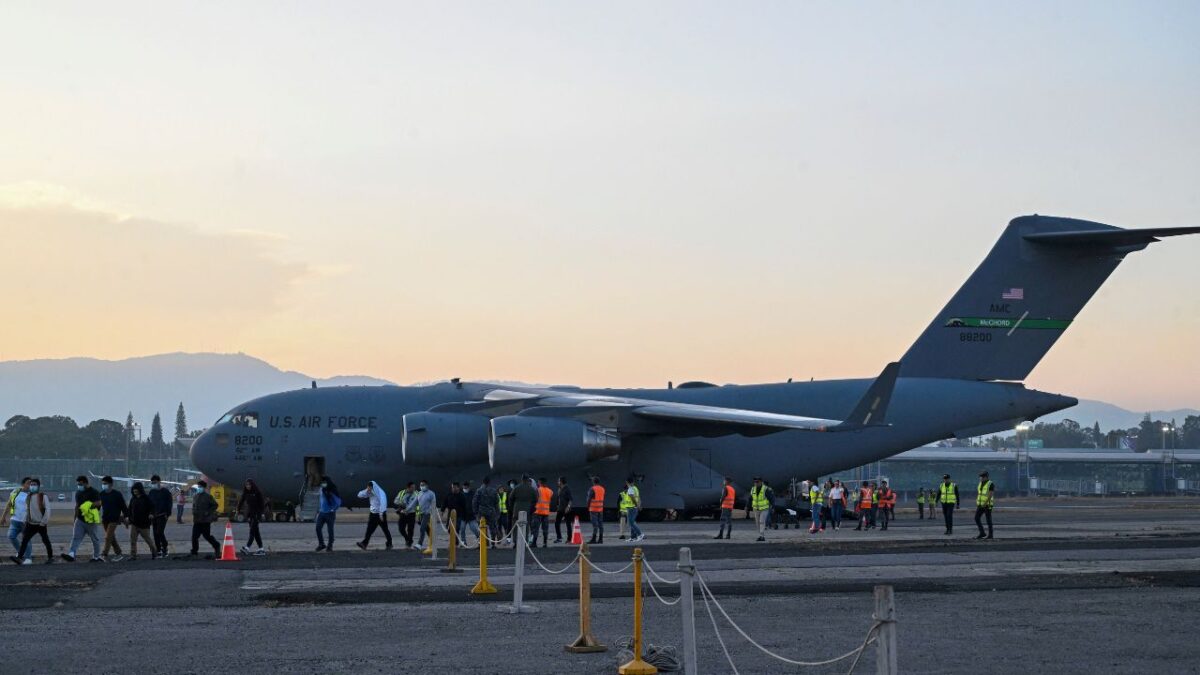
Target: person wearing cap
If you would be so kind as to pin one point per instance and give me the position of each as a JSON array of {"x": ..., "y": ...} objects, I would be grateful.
[
  {"x": 160, "y": 499},
  {"x": 204, "y": 514},
  {"x": 760, "y": 505},
  {"x": 631, "y": 502},
  {"x": 985, "y": 499},
  {"x": 948, "y": 498}
]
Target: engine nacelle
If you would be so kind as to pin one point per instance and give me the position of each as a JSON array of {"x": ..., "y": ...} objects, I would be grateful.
[
  {"x": 444, "y": 439},
  {"x": 527, "y": 443}
]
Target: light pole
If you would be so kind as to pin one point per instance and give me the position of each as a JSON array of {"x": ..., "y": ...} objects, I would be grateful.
[{"x": 1165, "y": 429}]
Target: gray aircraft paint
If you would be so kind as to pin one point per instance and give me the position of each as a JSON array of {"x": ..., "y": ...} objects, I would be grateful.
[{"x": 942, "y": 392}]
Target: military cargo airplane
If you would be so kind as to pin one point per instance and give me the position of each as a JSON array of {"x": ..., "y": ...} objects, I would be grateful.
[{"x": 961, "y": 378}]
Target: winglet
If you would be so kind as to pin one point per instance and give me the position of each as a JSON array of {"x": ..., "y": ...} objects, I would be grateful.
[{"x": 871, "y": 410}]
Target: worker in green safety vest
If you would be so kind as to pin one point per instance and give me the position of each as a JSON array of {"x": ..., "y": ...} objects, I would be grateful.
[
  {"x": 760, "y": 505},
  {"x": 948, "y": 498},
  {"x": 985, "y": 499},
  {"x": 921, "y": 503},
  {"x": 816, "y": 500}
]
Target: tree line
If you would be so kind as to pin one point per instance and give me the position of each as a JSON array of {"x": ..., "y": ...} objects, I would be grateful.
[{"x": 60, "y": 437}]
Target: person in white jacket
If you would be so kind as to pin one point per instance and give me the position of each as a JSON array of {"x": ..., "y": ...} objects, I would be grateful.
[{"x": 377, "y": 499}]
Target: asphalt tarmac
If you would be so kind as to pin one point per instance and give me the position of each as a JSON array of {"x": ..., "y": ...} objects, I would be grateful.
[{"x": 1067, "y": 586}]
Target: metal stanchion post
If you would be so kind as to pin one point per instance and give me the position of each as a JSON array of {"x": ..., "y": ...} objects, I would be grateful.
[
  {"x": 885, "y": 641},
  {"x": 687, "y": 576},
  {"x": 483, "y": 586},
  {"x": 637, "y": 666},
  {"x": 518, "y": 606},
  {"x": 586, "y": 643},
  {"x": 452, "y": 551}
]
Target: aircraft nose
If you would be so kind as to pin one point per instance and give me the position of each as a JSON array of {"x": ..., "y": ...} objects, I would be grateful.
[{"x": 204, "y": 453}]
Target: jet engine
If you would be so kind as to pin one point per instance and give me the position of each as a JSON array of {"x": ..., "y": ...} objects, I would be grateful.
[
  {"x": 444, "y": 439},
  {"x": 526, "y": 443}
]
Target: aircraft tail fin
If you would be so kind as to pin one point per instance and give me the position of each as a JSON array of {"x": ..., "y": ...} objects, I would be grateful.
[
  {"x": 871, "y": 410},
  {"x": 1027, "y": 291}
]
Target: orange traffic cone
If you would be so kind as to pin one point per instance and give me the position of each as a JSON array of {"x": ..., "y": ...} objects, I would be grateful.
[
  {"x": 228, "y": 552},
  {"x": 576, "y": 534}
]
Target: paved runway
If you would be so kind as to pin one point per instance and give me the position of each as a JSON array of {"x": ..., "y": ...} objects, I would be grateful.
[{"x": 1068, "y": 585}]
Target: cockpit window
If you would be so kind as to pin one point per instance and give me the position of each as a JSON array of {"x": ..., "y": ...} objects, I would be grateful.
[
  {"x": 225, "y": 418},
  {"x": 246, "y": 419}
]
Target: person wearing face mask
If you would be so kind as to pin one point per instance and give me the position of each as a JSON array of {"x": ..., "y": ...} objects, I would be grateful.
[
  {"x": 160, "y": 513},
  {"x": 87, "y": 520},
  {"x": 406, "y": 512},
  {"x": 113, "y": 512},
  {"x": 377, "y": 499},
  {"x": 204, "y": 514},
  {"x": 486, "y": 503},
  {"x": 141, "y": 514},
  {"x": 252, "y": 504},
  {"x": 37, "y": 519},
  {"x": 17, "y": 508},
  {"x": 331, "y": 501},
  {"x": 426, "y": 506}
]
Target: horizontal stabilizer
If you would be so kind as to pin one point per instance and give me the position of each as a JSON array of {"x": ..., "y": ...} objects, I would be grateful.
[{"x": 1109, "y": 238}]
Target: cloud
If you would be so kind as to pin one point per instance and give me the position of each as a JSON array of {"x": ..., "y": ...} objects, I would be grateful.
[{"x": 80, "y": 278}]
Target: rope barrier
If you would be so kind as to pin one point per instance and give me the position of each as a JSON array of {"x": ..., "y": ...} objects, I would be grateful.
[
  {"x": 656, "y": 575},
  {"x": 870, "y": 637},
  {"x": 547, "y": 569},
  {"x": 717, "y": 631},
  {"x": 500, "y": 541},
  {"x": 664, "y": 658},
  {"x": 657, "y": 594},
  {"x": 604, "y": 571}
]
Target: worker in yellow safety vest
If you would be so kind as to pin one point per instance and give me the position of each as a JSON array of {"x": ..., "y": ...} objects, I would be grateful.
[
  {"x": 761, "y": 506},
  {"x": 631, "y": 502},
  {"x": 948, "y": 498},
  {"x": 921, "y": 503},
  {"x": 816, "y": 500},
  {"x": 985, "y": 499}
]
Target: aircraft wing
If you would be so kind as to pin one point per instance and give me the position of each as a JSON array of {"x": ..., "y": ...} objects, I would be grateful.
[
  {"x": 634, "y": 415},
  {"x": 130, "y": 480}
]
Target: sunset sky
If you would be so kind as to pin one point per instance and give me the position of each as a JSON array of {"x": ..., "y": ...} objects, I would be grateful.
[{"x": 597, "y": 194}]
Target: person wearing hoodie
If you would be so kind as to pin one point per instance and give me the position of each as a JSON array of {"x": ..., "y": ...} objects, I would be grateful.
[
  {"x": 87, "y": 520},
  {"x": 331, "y": 501},
  {"x": 160, "y": 500},
  {"x": 252, "y": 504},
  {"x": 113, "y": 512},
  {"x": 204, "y": 514},
  {"x": 377, "y": 499},
  {"x": 141, "y": 515},
  {"x": 37, "y": 519}
]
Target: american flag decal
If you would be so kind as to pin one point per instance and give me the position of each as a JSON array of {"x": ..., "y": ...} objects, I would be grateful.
[{"x": 1013, "y": 294}]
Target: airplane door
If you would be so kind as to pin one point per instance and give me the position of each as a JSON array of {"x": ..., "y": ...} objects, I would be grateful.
[
  {"x": 314, "y": 468},
  {"x": 701, "y": 474}
]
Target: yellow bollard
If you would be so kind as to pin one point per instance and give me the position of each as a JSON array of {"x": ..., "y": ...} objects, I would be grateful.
[
  {"x": 452, "y": 556},
  {"x": 483, "y": 586},
  {"x": 586, "y": 643},
  {"x": 637, "y": 666}
]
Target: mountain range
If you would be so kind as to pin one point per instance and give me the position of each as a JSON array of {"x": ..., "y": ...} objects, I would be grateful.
[
  {"x": 86, "y": 389},
  {"x": 208, "y": 385}
]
